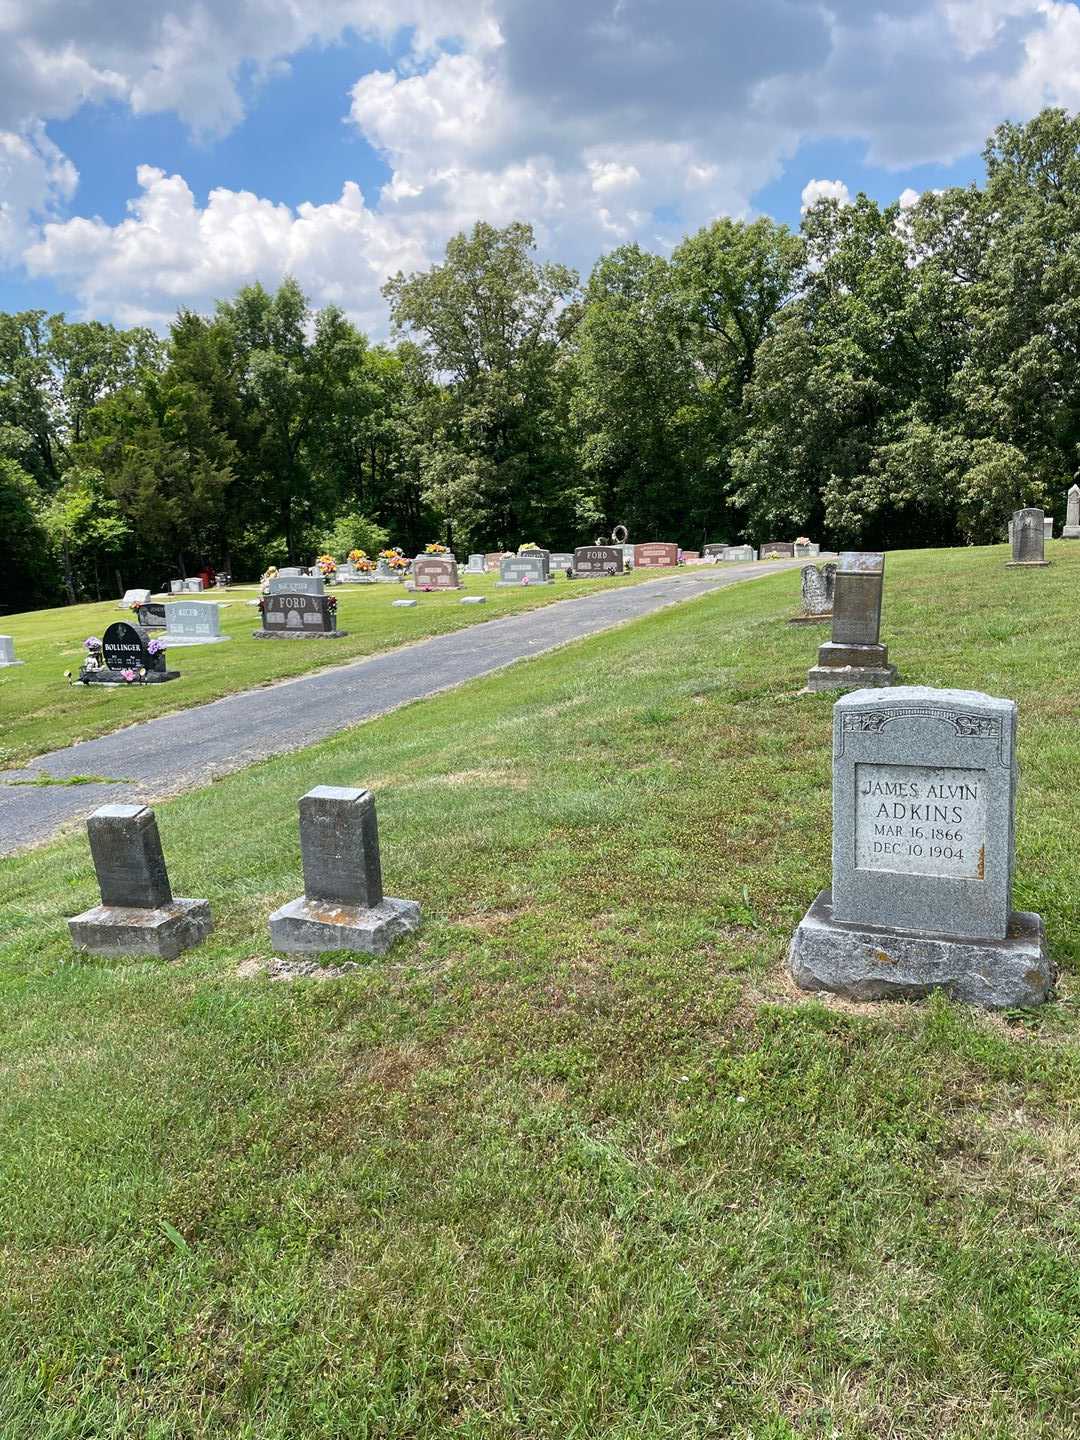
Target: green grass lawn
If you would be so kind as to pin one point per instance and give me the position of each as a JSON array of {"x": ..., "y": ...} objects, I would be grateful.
[
  {"x": 40, "y": 712},
  {"x": 577, "y": 1161}
]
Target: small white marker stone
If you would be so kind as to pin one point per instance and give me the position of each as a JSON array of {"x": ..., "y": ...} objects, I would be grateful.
[
  {"x": 403, "y": 604},
  {"x": 473, "y": 600}
]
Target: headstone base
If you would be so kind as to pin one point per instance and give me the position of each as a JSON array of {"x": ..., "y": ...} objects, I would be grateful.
[
  {"x": 861, "y": 962},
  {"x": 176, "y": 642},
  {"x": 356, "y": 580},
  {"x": 125, "y": 930},
  {"x": 473, "y": 600},
  {"x": 1071, "y": 532},
  {"x": 4, "y": 664},
  {"x": 851, "y": 667},
  {"x": 299, "y": 634},
  {"x": 116, "y": 677},
  {"x": 518, "y": 585},
  {"x": 1026, "y": 564},
  {"x": 308, "y": 926}
]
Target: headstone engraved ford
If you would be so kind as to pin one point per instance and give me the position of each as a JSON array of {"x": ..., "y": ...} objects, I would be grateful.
[
  {"x": 742, "y": 553},
  {"x": 817, "y": 585},
  {"x": 1028, "y": 537},
  {"x": 655, "y": 554},
  {"x": 298, "y": 617},
  {"x": 782, "y": 548},
  {"x": 343, "y": 906},
  {"x": 594, "y": 560},
  {"x": 530, "y": 566},
  {"x": 924, "y": 801},
  {"x": 435, "y": 572},
  {"x": 125, "y": 652},
  {"x": 193, "y": 622},
  {"x": 297, "y": 585},
  {"x": 7, "y": 652},
  {"x": 854, "y": 658},
  {"x": 1072, "y": 515},
  {"x": 138, "y": 914}
]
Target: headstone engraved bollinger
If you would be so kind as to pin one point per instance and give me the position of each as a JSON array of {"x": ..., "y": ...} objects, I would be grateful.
[
  {"x": 343, "y": 906},
  {"x": 7, "y": 652},
  {"x": 435, "y": 572},
  {"x": 1072, "y": 515},
  {"x": 298, "y": 617},
  {"x": 530, "y": 565},
  {"x": 924, "y": 800},
  {"x": 656, "y": 553},
  {"x": 193, "y": 622},
  {"x": 1028, "y": 538},
  {"x": 817, "y": 585},
  {"x": 592, "y": 560},
  {"x": 138, "y": 914},
  {"x": 854, "y": 659},
  {"x": 124, "y": 646}
]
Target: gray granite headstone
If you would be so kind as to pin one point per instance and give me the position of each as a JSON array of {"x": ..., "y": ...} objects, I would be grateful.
[
  {"x": 716, "y": 548},
  {"x": 562, "y": 560},
  {"x": 138, "y": 914},
  {"x": 151, "y": 616},
  {"x": 7, "y": 651},
  {"x": 924, "y": 800},
  {"x": 193, "y": 583},
  {"x": 854, "y": 658},
  {"x": 783, "y": 548},
  {"x": 435, "y": 572},
  {"x": 1072, "y": 515},
  {"x": 1028, "y": 537},
  {"x": 475, "y": 565},
  {"x": 343, "y": 906},
  {"x": 742, "y": 553},
  {"x": 296, "y": 585},
  {"x": 193, "y": 622},
  {"x": 288, "y": 616},
  {"x": 531, "y": 565}
]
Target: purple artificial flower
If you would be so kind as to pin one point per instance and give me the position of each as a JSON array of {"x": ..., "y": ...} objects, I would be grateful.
[
  {"x": 155, "y": 647},
  {"x": 93, "y": 644}
]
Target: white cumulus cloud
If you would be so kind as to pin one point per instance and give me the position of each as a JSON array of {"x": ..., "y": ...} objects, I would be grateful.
[{"x": 815, "y": 190}]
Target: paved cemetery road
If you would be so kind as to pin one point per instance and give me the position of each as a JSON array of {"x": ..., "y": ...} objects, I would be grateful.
[{"x": 181, "y": 751}]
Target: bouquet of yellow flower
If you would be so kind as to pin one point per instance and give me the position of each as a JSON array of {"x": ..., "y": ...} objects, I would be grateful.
[
  {"x": 355, "y": 556},
  {"x": 326, "y": 565},
  {"x": 435, "y": 549},
  {"x": 363, "y": 564}
]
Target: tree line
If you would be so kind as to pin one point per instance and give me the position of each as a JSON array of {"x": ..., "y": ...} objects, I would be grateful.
[{"x": 885, "y": 377}]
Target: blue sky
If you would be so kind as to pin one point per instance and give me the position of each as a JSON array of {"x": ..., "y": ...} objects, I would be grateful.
[{"x": 162, "y": 154}]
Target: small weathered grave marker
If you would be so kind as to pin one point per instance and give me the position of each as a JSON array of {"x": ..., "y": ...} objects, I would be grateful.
[{"x": 854, "y": 658}]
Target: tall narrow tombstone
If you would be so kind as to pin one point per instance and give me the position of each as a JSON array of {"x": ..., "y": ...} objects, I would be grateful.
[
  {"x": 138, "y": 914},
  {"x": 7, "y": 651},
  {"x": 854, "y": 658},
  {"x": 1028, "y": 536},
  {"x": 818, "y": 584},
  {"x": 1072, "y": 515},
  {"x": 924, "y": 803},
  {"x": 343, "y": 906}
]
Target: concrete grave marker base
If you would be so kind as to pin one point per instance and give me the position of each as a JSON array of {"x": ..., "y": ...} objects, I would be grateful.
[
  {"x": 862, "y": 962},
  {"x": 311, "y": 634},
  {"x": 473, "y": 600},
  {"x": 308, "y": 926},
  {"x": 403, "y": 604},
  {"x": 115, "y": 677},
  {"x": 176, "y": 642},
  {"x": 1026, "y": 564},
  {"x": 851, "y": 667},
  {"x": 130, "y": 930}
]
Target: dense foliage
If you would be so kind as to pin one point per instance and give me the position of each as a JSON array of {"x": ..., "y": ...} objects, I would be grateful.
[{"x": 885, "y": 377}]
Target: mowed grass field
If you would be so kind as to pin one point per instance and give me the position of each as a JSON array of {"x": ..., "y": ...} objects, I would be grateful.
[
  {"x": 577, "y": 1161},
  {"x": 40, "y": 712}
]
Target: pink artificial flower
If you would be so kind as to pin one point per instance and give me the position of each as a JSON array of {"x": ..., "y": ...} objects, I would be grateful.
[{"x": 129, "y": 675}]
